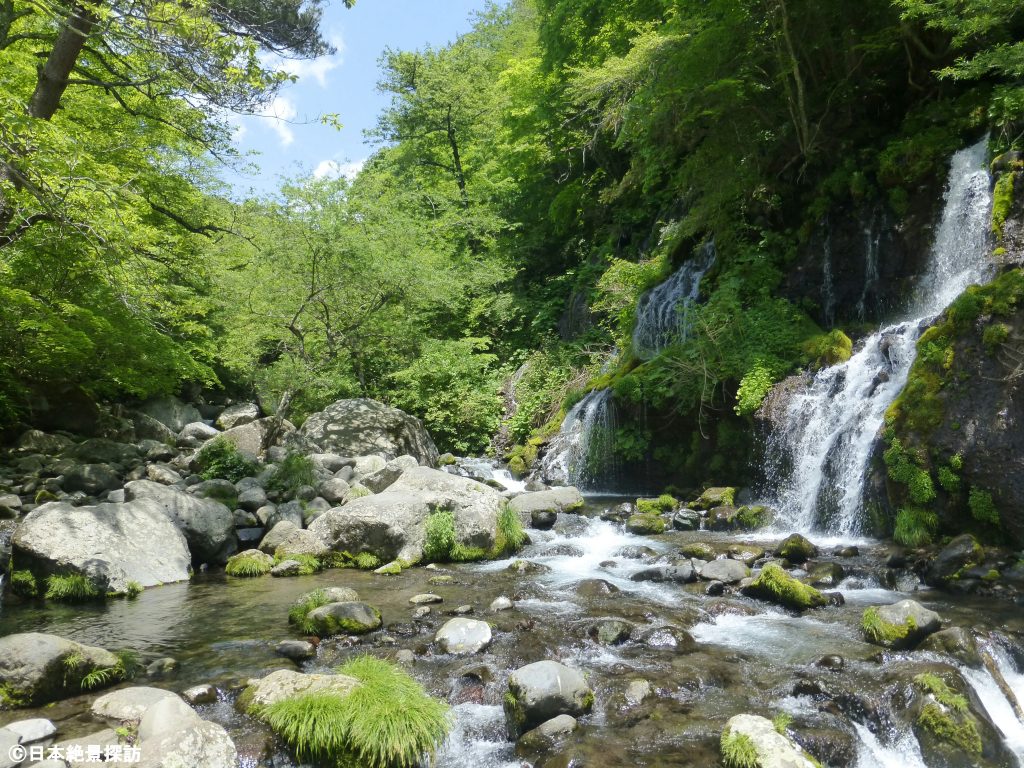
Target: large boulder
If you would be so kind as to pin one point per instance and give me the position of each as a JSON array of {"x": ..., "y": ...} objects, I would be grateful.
[
  {"x": 148, "y": 428},
  {"x": 171, "y": 412},
  {"x": 750, "y": 740},
  {"x": 128, "y": 703},
  {"x": 392, "y": 524},
  {"x": 238, "y": 415},
  {"x": 348, "y": 618},
  {"x": 172, "y": 735},
  {"x": 112, "y": 544},
  {"x": 91, "y": 479},
  {"x": 564, "y": 499},
  {"x": 541, "y": 691},
  {"x": 287, "y": 539},
  {"x": 287, "y": 684},
  {"x": 36, "y": 669},
  {"x": 362, "y": 426},
  {"x": 208, "y": 525},
  {"x": 900, "y": 625},
  {"x": 383, "y": 478}
]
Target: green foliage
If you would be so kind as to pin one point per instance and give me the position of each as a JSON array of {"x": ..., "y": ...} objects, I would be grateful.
[
  {"x": 878, "y": 630},
  {"x": 294, "y": 471},
  {"x": 915, "y": 527},
  {"x": 983, "y": 507},
  {"x": 949, "y": 480},
  {"x": 71, "y": 588},
  {"x": 440, "y": 540},
  {"x": 738, "y": 751},
  {"x": 1002, "y": 202},
  {"x": 301, "y": 608},
  {"x": 23, "y": 583},
  {"x": 994, "y": 336},
  {"x": 509, "y": 536},
  {"x": 754, "y": 387},
  {"x": 830, "y": 348},
  {"x": 133, "y": 590},
  {"x": 937, "y": 687},
  {"x": 388, "y": 721},
  {"x": 781, "y": 722},
  {"x": 664, "y": 503},
  {"x": 959, "y": 730},
  {"x": 773, "y": 583},
  {"x": 221, "y": 459},
  {"x": 904, "y": 467},
  {"x": 366, "y": 561},
  {"x": 246, "y": 565}
]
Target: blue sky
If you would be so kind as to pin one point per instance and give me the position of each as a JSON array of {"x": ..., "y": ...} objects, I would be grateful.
[{"x": 289, "y": 136}]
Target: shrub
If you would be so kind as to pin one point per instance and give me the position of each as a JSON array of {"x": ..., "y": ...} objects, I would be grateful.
[
  {"x": 220, "y": 459},
  {"x": 73, "y": 588},
  {"x": 292, "y": 473},
  {"x": 388, "y": 721}
]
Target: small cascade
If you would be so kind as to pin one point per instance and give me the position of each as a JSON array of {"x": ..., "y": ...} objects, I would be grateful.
[
  {"x": 661, "y": 313},
  {"x": 486, "y": 470},
  {"x": 995, "y": 695},
  {"x": 902, "y": 751},
  {"x": 583, "y": 452},
  {"x": 872, "y": 241},
  {"x": 817, "y": 461}
]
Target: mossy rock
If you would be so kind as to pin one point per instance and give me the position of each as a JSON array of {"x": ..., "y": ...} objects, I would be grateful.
[
  {"x": 348, "y": 618},
  {"x": 715, "y": 497},
  {"x": 945, "y": 716},
  {"x": 775, "y": 585},
  {"x": 249, "y": 564},
  {"x": 699, "y": 550},
  {"x": 796, "y": 549},
  {"x": 646, "y": 524},
  {"x": 664, "y": 503},
  {"x": 899, "y": 626}
]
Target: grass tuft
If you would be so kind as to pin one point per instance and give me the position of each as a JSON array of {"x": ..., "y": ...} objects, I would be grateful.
[
  {"x": 219, "y": 459},
  {"x": 74, "y": 588},
  {"x": 248, "y": 565},
  {"x": 292, "y": 473},
  {"x": 301, "y": 609},
  {"x": 509, "y": 536},
  {"x": 881, "y": 632},
  {"x": 774, "y": 584},
  {"x": 738, "y": 750},
  {"x": 388, "y": 721},
  {"x": 23, "y": 583}
]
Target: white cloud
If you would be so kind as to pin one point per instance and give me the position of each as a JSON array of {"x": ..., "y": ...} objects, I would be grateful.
[
  {"x": 317, "y": 69},
  {"x": 276, "y": 114},
  {"x": 332, "y": 169}
]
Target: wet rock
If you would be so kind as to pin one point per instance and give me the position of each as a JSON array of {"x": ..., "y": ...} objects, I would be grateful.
[
  {"x": 646, "y": 524},
  {"x": 161, "y": 668},
  {"x": 833, "y": 746},
  {"x": 546, "y": 735},
  {"x": 755, "y": 737},
  {"x": 961, "y": 553},
  {"x": 826, "y": 575},
  {"x": 699, "y": 550},
  {"x": 593, "y": 588},
  {"x": 425, "y": 599},
  {"x": 527, "y": 568},
  {"x": 775, "y": 585},
  {"x": 543, "y": 520},
  {"x": 287, "y": 568},
  {"x": 200, "y": 694},
  {"x": 111, "y": 544},
  {"x": 900, "y": 626},
  {"x": 296, "y": 650},
  {"x": 715, "y": 497},
  {"x": 619, "y": 513},
  {"x": 683, "y": 573},
  {"x": 554, "y": 500},
  {"x": 726, "y": 571},
  {"x": 349, "y": 618},
  {"x": 610, "y": 631},
  {"x": 832, "y": 661},
  {"x": 846, "y": 551},
  {"x": 796, "y": 549},
  {"x": 91, "y": 479},
  {"x": 287, "y": 684},
  {"x": 563, "y": 550},
  {"x": 722, "y": 519},
  {"x": 541, "y": 691},
  {"x": 440, "y": 581},
  {"x": 635, "y": 552},
  {"x": 172, "y": 734},
  {"x": 208, "y": 526},
  {"x": 501, "y": 604},
  {"x": 33, "y": 668},
  {"x": 360, "y": 427},
  {"x": 686, "y": 520},
  {"x": 715, "y": 589},
  {"x": 956, "y": 642},
  {"x": 128, "y": 703},
  {"x": 405, "y": 656},
  {"x": 463, "y": 636},
  {"x": 748, "y": 554}
]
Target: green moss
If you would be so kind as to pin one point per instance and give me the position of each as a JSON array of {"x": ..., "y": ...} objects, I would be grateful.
[
  {"x": 366, "y": 561},
  {"x": 1002, "y": 202},
  {"x": 774, "y": 584},
  {"x": 509, "y": 535},
  {"x": 983, "y": 507},
  {"x": 994, "y": 336},
  {"x": 915, "y": 527},
  {"x": 513, "y": 709},
  {"x": 961, "y": 732},
  {"x": 23, "y": 583},
  {"x": 664, "y": 503},
  {"x": 738, "y": 751},
  {"x": 879, "y": 631},
  {"x": 73, "y": 588},
  {"x": 338, "y": 625},
  {"x": 646, "y": 524},
  {"x": 133, "y": 590},
  {"x": 44, "y": 496},
  {"x": 829, "y": 348},
  {"x": 390, "y": 569},
  {"x": 388, "y": 721},
  {"x": 905, "y": 467},
  {"x": 308, "y": 565},
  {"x": 246, "y": 565},
  {"x": 12, "y": 697},
  {"x": 753, "y": 518}
]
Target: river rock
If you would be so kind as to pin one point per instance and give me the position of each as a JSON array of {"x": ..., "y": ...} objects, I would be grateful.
[
  {"x": 172, "y": 734},
  {"x": 589, "y": 589},
  {"x": 287, "y": 684},
  {"x": 545, "y": 735},
  {"x": 386, "y": 476},
  {"x": 112, "y": 544},
  {"x": 501, "y": 603},
  {"x": 171, "y": 412},
  {"x": 252, "y": 498},
  {"x": 362, "y": 426},
  {"x": 334, "y": 489},
  {"x": 726, "y": 571},
  {"x": 775, "y": 585},
  {"x": 348, "y": 618},
  {"x": 425, "y": 599},
  {"x": 91, "y": 479},
  {"x": 563, "y": 499},
  {"x": 238, "y": 415},
  {"x": 827, "y": 575},
  {"x": 9, "y": 741},
  {"x": 961, "y": 553},
  {"x": 37, "y": 441},
  {"x": 541, "y": 691},
  {"x": 463, "y": 636},
  {"x": 31, "y": 731},
  {"x": 286, "y": 539},
  {"x": 715, "y": 497},
  {"x": 392, "y": 524},
  {"x": 772, "y": 749},
  {"x": 900, "y": 625},
  {"x": 686, "y": 520},
  {"x": 646, "y": 524},
  {"x": 163, "y": 474},
  {"x": 610, "y": 631},
  {"x": 296, "y": 650},
  {"x": 527, "y": 568},
  {"x": 33, "y": 670},
  {"x": 796, "y": 548},
  {"x": 200, "y": 694},
  {"x": 208, "y": 526},
  {"x": 683, "y": 573},
  {"x": 197, "y": 431},
  {"x": 699, "y": 550},
  {"x": 128, "y": 703},
  {"x": 722, "y": 518},
  {"x": 668, "y": 639},
  {"x": 101, "y": 450}
]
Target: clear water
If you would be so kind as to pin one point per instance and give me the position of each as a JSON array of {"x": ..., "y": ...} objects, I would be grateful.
[{"x": 583, "y": 452}]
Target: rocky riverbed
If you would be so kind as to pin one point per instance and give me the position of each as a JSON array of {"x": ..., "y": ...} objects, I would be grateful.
[{"x": 675, "y": 645}]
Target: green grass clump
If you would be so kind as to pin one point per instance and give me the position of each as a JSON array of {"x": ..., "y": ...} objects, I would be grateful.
[
  {"x": 774, "y": 584},
  {"x": 738, "y": 751},
  {"x": 915, "y": 527},
  {"x": 509, "y": 536},
  {"x": 388, "y": 721},
  {"x": 949, "y": 480},
  {"x": 292, "y": 473},
  {"x": 74, "y": 588},
  {"x": 23, "y": 583},
  {"x": 440, "y": 537},
  {"x": 829, "y": 348},
  {"x": 752, "y": 518},
  {"x": 133, "y": 590},
  {"x": 248, "y": 565},
  {"x": 300, "y": 610},
  {"x": 1002, "y": 202},
  {"x": 390, "y": 569},
  {"x": 664, "y": 503},
  {"x": 983, "y": 506},
  {"x": 75, "y": 665},
  {"x": 221, "y": 459},
  {"x": 879, "y": 631},
  {"x": 366, "y": 561},
  {"x": 309, "y": 564},
  {"x": 781, "y": 722}
]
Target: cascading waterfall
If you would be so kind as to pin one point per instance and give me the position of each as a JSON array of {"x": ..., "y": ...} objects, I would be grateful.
[
  {"x": 583, "y": 452},
  {"x": 872, "y": 242},
  {"x": 661, "y": 313},
  {"x": 817, "y": 461}
]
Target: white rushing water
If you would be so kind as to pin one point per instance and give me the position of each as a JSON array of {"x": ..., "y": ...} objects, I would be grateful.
[
  {"x": 487, "y": 469},
  {"x": 582, "y": 453},
  {"x": 901, "y": 751},
  {"x": 662, "y": 312},
  {"x": 818, "y": 460},
  {"x": 994, "y": 700}
]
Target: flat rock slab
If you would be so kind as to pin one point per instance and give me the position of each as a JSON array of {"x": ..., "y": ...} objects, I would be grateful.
[
  {"x": 35, "y": 729},
  {"x": 286, "y": 684},
  {"x": 128, "y": 703},
  {"x": 462, "y": 636}
]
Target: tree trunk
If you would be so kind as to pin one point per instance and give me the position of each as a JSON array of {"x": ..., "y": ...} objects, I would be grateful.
[{"x": 54, "y": 74}]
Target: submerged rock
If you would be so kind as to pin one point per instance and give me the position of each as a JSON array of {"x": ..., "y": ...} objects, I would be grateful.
[{"x": 541, "y": 691}]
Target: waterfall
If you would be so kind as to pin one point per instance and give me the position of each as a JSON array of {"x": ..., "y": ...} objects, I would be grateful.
[
  {"x": 583, "y": 452},
  {"x": 994, "y": 698},
  {"x": 817, "y": 460},
  {"x": 661, "y": 313},
  {"x": 872, "y": 241}
]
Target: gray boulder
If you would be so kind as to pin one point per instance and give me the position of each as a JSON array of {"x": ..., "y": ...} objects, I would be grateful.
[
  {"x": 36, "y": 441},
  {"x": 171, "y": 412},
  {"x": 771, "y": 748},
  {"x": 208, "y": 525},
  {"x": 287, "y": 539},
  {"x": 900, "y": 625},
  {"x": 349, "y": 618},
  {"x": 8, "y": 741},
  {"x": 128, "y": 703},
  {"x": 333, "y": 489},
  {"x": 564, "y": 499},
  {"x": 252, "y": 498},
  {"x": 392, "y": 524},
  {"x": 163, "y": 474},
  {"x": 367, "y": 465},
  {"x": 287, "y": 684},
  {"x": 172, "y": 735},
  {"x": 238, "y": 415},
  {"x": 725, "y": 571},
  {"x": 112, "y": 544},
  {"x": 541, "y": 691},
  {"x": 148, "y": 428},
  {"x": 382, "y": 478},
  {"x": 32, "y": 730},
  {"x": 36, "y": 669},
  {"x": 362, "y": 426},
  {"x": 198, "y": 430},
  {"x": 91, "y": 479},
  {"x": 462, "y": 636},
  {"x": 253, "y": 438}
]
